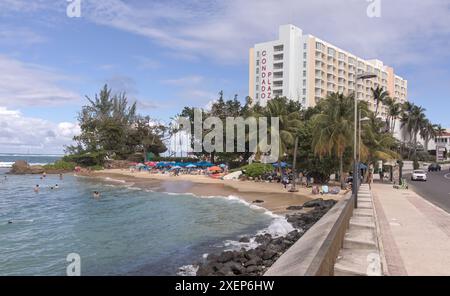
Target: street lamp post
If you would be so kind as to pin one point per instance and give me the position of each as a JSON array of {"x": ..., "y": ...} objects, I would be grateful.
[{"x": 355, "y": 160}]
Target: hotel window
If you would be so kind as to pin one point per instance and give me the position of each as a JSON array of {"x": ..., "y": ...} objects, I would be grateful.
[
  {"x": 257, "y": 70},
  {"x": 304, "y": 73},
  {"x": 257, "y": 54},
  {"x": 304, "y": 91},
  {"x": 304, "y": 46},
  {"x": 319, "y": 46},
  {"x": 257, "y": 96},
  {"x": 278, "y": 48},
  {"x": 304, "y": 55},
  {"x": 257, "y": 62},
  {"x": 257, "y": 87},
  {"x": 304, "y": 64},
  {"x": 342, "y": 56},
  {"x": 257, "y": 78},
  {"x": 331, "y": 52},
  {"x": 304, "y": 82}
]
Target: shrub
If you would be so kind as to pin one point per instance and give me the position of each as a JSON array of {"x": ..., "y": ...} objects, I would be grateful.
[
  {"x": 96, "y": 167},
  {"x": 257, "y": 169},
  {"x": 61, "y": 165},
  {"x": 87, "y": 159}
]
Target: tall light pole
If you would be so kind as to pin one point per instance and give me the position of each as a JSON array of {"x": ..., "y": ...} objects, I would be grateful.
[{"x": 362, "y": 77}]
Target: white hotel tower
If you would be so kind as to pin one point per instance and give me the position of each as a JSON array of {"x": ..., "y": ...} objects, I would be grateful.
[{"x": 305, "y": 68}]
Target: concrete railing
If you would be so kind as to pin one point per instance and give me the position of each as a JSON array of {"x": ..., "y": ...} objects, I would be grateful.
[{"x": 315, "y": 253}]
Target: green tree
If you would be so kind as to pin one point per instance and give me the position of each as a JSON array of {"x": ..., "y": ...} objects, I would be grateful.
[
  {"x": 333, "y": 128},
  {"x": 379, "y": 95}
]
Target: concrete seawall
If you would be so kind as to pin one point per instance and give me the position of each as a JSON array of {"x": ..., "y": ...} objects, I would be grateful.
[{"x": 315, "y": 253}]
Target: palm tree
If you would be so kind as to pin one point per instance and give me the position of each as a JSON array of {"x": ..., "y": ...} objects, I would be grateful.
[
  {"x": 289, "y": 123},
  {"x": 413, "y": 119},
  {"x": 394, "y": 110},
  {"x": 379, "y": 95},
  {"x": 419, "y": 118},
  {"x": 439, "y": 131},
  {"x": 407, "y": 122},
  {"x": 427, "y": 132},
  {"x": 375, "y": 144},
  {"x": 333, "y": 128}
]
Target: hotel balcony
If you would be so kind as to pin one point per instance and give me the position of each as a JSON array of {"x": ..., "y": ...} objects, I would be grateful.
[
  {"x": 277, "y": 92},
  {"x": 278, "y": 66},
  {"x": 277, "y": 75},
  {"x": 278, "y": 57},
  {"x": 277, "y": 84},
  {"x": 278, "y": 48}
]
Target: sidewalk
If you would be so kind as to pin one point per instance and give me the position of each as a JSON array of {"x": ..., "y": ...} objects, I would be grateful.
[{"x": 415, "y": 234}]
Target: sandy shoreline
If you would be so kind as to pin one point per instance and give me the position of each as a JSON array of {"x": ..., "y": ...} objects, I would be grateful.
[{"x": 276, "y": 198}]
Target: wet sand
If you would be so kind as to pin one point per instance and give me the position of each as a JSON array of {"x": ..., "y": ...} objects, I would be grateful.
[{"x": 276, "y": 198}]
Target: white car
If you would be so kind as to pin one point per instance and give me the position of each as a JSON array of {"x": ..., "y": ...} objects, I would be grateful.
[{"x": 419, "y": 175}]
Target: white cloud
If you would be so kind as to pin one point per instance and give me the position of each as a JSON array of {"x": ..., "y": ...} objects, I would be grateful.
[
  {"x": 25, "y": 84},
  {"x": 19, "y": 36},
  {"x": 185, "y": 81},
  {"x": 19, "y": 133},
  {"x": 224, "y": 30}
]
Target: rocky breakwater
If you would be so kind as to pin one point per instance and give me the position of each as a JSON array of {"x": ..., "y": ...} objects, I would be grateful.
[
  {"x": 256, "y": 261},
  {"x": 21, "y": 167}
]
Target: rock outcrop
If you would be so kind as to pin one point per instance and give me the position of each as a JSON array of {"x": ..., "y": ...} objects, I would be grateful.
[{"x": 255, "y": 262}]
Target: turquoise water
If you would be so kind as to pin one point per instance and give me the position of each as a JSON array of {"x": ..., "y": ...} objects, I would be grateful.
[{"x": 127, "y": 232}]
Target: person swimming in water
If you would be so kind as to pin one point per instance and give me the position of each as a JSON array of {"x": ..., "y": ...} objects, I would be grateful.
[
  {"x": 96, "y": 195},
  {"x": 56, "y": 186},
  {"x": 60, "y": 176},
  {"x": 36, "y": 189}
]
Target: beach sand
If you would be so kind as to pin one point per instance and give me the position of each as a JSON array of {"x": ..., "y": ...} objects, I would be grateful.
[{"x": 276, "y": 198}]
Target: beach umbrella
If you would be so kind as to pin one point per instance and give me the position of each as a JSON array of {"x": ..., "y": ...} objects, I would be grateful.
[
  {"x": 281, "y": 165},
  {"x": 222, "y": 165},
  {"x": 133, "y": 163},
  {"x": 191, "y": 165},
  {"x": 151, "y": 163},
  {"x": 176, "y": 167},
  {"x": 214, "y": 169},
  {"x": 140, "y": 165},
  {"x": 204, "y": 164}
]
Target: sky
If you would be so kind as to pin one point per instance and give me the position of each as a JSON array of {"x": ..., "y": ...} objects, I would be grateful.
[{"x": 169, "y": 54}]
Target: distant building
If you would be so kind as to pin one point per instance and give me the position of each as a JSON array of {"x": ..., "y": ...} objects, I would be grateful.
[
  {"x": 441, "y": 141},
  {"x": 306, "y": 69}
]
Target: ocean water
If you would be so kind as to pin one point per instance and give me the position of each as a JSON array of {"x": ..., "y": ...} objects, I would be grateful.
[
  {"x": 127, "y": 232},
  {"x": 8, "y": 159}
]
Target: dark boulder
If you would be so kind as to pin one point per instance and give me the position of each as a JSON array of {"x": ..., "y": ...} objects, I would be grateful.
[
  {"x": 225, "y": 257},
  {"x": 294, "y": 208},
  {"x": 244, "y": 240}
]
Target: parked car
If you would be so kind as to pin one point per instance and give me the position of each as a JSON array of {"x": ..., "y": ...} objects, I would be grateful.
[
  {"x": 434, "y": 167},
  {"x": 419, "y": 175}
]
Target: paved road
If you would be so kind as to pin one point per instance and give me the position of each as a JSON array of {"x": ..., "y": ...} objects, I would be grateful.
[{"x": 435, "y": 190}]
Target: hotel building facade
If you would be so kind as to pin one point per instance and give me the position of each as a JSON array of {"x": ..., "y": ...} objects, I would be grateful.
[{"x": 306, "y": 69}]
